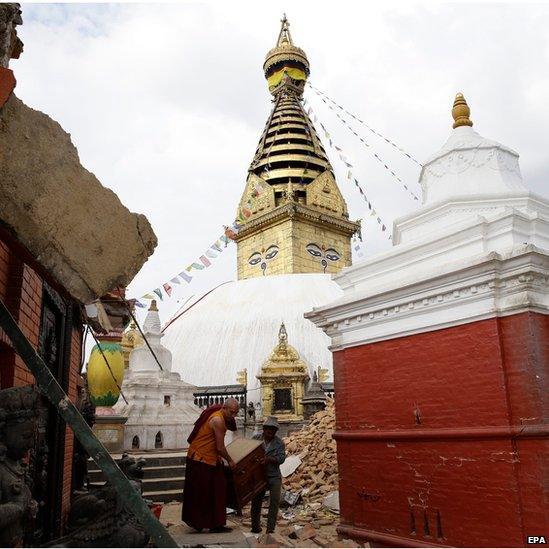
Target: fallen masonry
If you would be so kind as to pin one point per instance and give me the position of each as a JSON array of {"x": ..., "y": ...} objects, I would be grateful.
[{"x": 317, "y": 476}]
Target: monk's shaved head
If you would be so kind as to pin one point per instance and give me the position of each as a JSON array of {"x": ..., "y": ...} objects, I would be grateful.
[{"x": 231, "y": 404}]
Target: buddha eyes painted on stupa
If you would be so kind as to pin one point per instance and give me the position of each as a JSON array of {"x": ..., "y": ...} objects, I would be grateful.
[
  {"x": 263, "y": 257},
  {"x": 323, "y": 255}
]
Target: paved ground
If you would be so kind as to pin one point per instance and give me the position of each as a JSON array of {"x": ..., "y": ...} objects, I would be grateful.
[
  {"x": 187, "y": 537},
  {"x": 240, "y": 536}
]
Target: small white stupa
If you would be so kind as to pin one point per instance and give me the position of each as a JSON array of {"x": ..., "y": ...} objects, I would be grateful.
[{"x": 160, "y": 410}]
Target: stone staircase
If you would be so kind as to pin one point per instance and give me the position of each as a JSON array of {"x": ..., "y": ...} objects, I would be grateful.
[{"x": 164, "y": 475}]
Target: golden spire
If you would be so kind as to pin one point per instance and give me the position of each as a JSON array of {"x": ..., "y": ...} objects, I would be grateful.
[
  {"x": 153, "y": 306},
  {"x": 461, "y": 112},
  {"x": 284, "y": 37}
]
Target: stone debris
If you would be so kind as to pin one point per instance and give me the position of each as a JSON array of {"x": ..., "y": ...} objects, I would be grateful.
[
  {"x": 317, "y": 475},
  {"x": 307, "y": 532}
]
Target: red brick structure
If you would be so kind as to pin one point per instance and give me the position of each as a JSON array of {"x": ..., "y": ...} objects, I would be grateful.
[
  {"x": 457, "y": 455},
  {"x": 50, "y": 320},
  {"x": 441, "y": 356}
]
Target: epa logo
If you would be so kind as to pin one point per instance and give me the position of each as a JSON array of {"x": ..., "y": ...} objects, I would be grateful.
[{"x": 536, "y": 540}]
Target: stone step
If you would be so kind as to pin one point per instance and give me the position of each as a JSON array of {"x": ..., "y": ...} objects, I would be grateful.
[
  {"x": 163, "y": 471},
  {"x": 153, "y": 484},
  {"x": 164, "y": 496},
  {"x": 163, "y": 484},
  {"x": 153, "y": 459}
]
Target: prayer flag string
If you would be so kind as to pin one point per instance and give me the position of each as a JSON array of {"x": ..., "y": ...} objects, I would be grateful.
[
  {"x": 350, "y": 177},
  {"x": 367, "y": 145},
  {"x": 392, "y": 143},
  {"x": 212, "y": 252}
]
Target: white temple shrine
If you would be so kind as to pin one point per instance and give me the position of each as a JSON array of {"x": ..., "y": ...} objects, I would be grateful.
[{"x": 160, "y": 410}]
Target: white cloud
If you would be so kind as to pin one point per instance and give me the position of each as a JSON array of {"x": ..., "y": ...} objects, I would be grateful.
[{"x": 166, "y": 103}]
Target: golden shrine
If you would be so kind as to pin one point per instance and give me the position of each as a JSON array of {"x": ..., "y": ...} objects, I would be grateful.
[{"x": 283, "y": 377}]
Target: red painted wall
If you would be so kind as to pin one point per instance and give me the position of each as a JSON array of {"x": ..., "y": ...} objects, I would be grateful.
[
  {"x": 443, "y": 436},
  {"x": 21, "y": 291}
]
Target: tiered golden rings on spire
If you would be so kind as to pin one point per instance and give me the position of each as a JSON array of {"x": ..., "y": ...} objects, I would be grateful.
[{"x": 461, "y": 112}]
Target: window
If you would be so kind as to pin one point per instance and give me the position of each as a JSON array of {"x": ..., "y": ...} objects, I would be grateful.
[
  {"x": 135, "y": 442},
  {"x": 167, "y": 400}
]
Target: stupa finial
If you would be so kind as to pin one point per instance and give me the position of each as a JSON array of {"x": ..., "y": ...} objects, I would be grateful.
[
  {"x": 153, "y": 306},
  {"x": 282, "y": 334},
  {"x": 284, "y": 36},
  {"x": 461, "y": 112}
]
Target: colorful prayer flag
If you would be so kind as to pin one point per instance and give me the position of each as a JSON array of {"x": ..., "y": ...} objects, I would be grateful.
[
  {"x": 175, "y": 280},
  {"x": 148, "y": 296},
  {"x": 210, "y": 254},
  {"x": 167, "y": 289},
  {"x": 205, "y": 261},
  {"x": 215, "y": 246},
  {"x": 185, "y": 276},
  {"x": 158, "y": 292},
  {"x": 140, "y": 304}
]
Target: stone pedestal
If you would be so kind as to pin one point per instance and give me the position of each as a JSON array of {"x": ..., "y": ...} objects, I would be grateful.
[
  {"x": 160, "y": 408},
  {"x": 109, "y": 429}
]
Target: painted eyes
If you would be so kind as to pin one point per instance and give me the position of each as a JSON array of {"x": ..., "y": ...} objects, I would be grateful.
[
  {"x": 271, "y": 252},
  {"x": 254, "y": 258},
  {"x": 258, "y": 257},
  {"x": 314, "y": 250},
  {"x": 332, "y": 255}
]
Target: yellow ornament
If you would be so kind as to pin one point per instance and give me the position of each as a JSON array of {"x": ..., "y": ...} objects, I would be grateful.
[{"x": 101, "y": 385}]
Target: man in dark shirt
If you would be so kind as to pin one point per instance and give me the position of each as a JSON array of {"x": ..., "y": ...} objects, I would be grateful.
[{"x": 275, "y": 454}]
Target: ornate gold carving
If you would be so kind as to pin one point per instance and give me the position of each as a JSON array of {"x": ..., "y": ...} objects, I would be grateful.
[
  {"x": 284, "y": 369},
  {"x": 261, "y": 202},
  {"x": 323, "y": 194},
  {"x": 242, "y": 377}
]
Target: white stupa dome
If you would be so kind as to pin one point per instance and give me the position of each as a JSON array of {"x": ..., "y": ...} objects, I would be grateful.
[{"x": 235, "y": 326}]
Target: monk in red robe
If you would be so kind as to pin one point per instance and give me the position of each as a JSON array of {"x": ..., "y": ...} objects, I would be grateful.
[{"x": 205, "y": 492}]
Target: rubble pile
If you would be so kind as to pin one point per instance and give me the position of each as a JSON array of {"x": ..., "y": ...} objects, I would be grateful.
[{"x": 317, "y": 474}]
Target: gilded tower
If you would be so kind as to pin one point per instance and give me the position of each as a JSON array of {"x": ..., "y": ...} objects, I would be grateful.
[{"x": 294, "y": 217}]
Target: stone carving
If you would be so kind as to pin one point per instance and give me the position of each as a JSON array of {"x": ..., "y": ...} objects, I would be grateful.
[
  {"x": 99, "y": 519},
  {"x": 11, "y": 46},
  {"x": 18, "y": 418}
]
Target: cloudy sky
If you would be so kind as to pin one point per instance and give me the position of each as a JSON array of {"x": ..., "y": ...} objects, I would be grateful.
[{"x": 166, "y": 103}]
